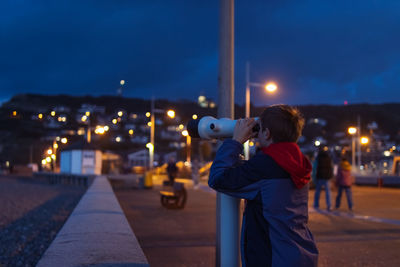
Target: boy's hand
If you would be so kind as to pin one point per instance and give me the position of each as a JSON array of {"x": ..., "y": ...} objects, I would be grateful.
[{"x": 244, "y": 130}]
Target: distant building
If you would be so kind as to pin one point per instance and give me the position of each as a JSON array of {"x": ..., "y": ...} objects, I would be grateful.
[
  {"x": 205, "y": 103},
  {"x": 141, "y": 158},
  {"x": 81, "y": 158},
  {"x": 92, "y": 109}
]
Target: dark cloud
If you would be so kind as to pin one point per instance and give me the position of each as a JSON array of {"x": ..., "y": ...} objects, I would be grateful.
[{"x": 318, "y": 51}]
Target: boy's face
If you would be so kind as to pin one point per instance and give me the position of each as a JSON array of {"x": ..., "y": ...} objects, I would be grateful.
[{"x": 264, "y": 138}]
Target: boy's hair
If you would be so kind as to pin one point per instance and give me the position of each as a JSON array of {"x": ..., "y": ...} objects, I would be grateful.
[{"x": 284, "y": 122}]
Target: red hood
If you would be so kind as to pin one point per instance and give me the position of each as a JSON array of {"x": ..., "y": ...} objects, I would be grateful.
[{"x": 288, "y": 156}]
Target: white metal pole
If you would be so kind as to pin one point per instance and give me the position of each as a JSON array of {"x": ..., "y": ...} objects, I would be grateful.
[
  {"x": 359, "y": 143},
  {"x": 246, "y": 145},
  {"x": 353, "y": 151},
  {"x": 227, "y": 254},
  {"x": 152, "y": 128}
]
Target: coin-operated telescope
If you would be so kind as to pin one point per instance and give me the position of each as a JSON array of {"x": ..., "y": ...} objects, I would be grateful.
[{"x": 211, "y": 128}]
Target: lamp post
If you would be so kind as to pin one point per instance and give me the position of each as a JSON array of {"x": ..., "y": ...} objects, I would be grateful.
[
  {"x": 119, "y": 90},
  {"x": 188, "y": 145},
  {"x": 352, "y": 131},
  {"x": 363, "y": 141},
  {"x": 151, "y": 145},
  {"x": 269, "y": 87}
]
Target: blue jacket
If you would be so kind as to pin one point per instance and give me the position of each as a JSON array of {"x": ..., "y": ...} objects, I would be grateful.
[{"x": 274, "y": 227}]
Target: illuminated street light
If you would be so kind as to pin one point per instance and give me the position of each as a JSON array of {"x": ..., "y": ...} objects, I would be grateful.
[
  {"x": 149, "y": 124},
  {"x": 53, "y": 157},
  {"x": 40, "y": 116},
  {"x": 150, "y": 146},
  {"x": 194, "y": 117},
  {"x": 386, "y": 153},
  {"x": 87, "y": 113},
  {"x": 55, "y": 145},
  {"x": 181, "y": 126},
  {"x": 271, "y": 87},
  {"x": 64, "y": 140},
  {"x": 118, "y": 139},
  {"x": 44, "y": 162},
  {"x": 148, "y": 114},
  {"x": 48, "y": 159},
  {"x": 317, "y": 143},
  {"x": 188, "y": 145},
  {"x": 122, "y": 82},
  {"x": 171, "y": 113},
  {"x": 49, "y": 151},
  {"x": 99, "y": 130},
  {"x": 114, "y": 121},
  {"x": 251, "y": 143},
  {"x": 84, "y": 118},
  {"x": 352, "y": 130},
  {"x": 120, "y": 113},
  {"x": 364, "y": 140},
  {"x": 106, "y": 128},
  {"x": 53, "y": 113},
  {"x": 131, "y": 132}
]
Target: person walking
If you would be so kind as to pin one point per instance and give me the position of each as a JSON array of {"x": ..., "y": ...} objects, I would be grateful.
[
  {"x": 324, "y": 172},
  {"x": 344, "y": 180}
]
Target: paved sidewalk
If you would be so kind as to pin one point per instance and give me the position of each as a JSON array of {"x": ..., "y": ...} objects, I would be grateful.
[{"x": 187, "y": 237}]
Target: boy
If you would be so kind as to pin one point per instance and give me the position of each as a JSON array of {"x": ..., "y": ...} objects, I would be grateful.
[{"x": 275, "y": 184}]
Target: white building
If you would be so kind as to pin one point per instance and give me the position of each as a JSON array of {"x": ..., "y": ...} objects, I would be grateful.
[
  {"x": 141, "y": 158},
  {"x": 80, "y": 158}
]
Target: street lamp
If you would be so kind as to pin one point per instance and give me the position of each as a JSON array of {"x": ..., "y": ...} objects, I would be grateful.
[
  {"x": 188, "y": 145},
  {"x": 119, "y": 90},
  {"x": 352, "y": 131},
  {"x": 152, "y": 124},
  {"x": 171, "y": 113},
  {"x": 363, "y": 141},
  {"x": 269, "y": 87}
]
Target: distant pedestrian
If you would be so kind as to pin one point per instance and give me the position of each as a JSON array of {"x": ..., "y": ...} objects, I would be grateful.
[
  {"x": 344, "y": 180},
  {"x": 172, "y": 170},
  {"x": 324, "y": 172},
  {"x": 195, "y": 172}
]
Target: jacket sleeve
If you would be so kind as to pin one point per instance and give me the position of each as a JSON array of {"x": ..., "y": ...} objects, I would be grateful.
[{"x": 231, "y": 176}]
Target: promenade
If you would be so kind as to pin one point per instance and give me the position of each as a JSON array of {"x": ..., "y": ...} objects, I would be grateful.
[{"x": 370, "y": 236}]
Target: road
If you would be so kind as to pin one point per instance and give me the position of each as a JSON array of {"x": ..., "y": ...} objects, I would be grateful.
[{"x": 187, "y": 237}]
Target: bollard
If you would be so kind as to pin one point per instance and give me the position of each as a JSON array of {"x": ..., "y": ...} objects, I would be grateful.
[
  {"x": 380, "y": 182},
  {"x": 148, "y": 179}
]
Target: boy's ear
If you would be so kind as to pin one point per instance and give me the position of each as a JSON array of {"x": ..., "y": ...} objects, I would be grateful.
[{"x": 267, "y": 134}]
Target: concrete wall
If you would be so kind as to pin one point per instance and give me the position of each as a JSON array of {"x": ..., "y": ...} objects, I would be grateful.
[{"x": 97, "y": 234}]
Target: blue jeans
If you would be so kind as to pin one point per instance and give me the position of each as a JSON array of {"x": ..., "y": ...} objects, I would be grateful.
[
  {"x": 349, "y": 196},
  {"x": 319, "y": 185}
]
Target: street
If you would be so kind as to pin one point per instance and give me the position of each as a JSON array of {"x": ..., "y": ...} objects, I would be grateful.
[{"x": 187, "y": 237}]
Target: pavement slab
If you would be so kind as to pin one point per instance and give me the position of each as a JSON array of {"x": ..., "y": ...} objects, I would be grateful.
[{"x": 187, "y": 237}]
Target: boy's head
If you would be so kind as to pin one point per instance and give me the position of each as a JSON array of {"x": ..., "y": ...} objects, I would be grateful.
[{"x": 280, "y": 123}]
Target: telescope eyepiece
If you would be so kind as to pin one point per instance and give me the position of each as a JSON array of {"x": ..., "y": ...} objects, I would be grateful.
[{"x": 256, "y": 128}]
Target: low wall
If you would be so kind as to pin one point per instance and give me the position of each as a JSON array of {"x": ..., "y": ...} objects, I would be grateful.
[
  {"x": 378, "y": 180},
  {"x": 65, "y": 178},
  {"x": 97, "y": 234}
]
